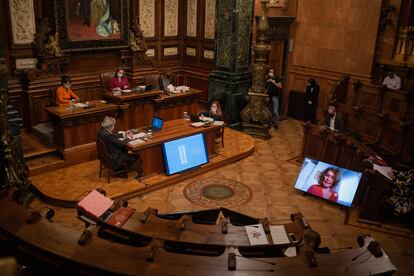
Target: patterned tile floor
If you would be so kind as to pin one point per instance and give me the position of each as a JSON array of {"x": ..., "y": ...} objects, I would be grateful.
[{"x": 271, "y": 178}]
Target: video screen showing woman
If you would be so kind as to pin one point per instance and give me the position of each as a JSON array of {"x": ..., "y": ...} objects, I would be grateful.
[{"x": 327, "y": 181}]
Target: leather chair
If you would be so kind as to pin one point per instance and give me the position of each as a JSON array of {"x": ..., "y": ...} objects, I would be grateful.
[
  {"x": 105, "y": 79},
  {"x": 153, "y": 79},
  {"x": 103, "y": 160},
  {"x": 52, "y": 99}
]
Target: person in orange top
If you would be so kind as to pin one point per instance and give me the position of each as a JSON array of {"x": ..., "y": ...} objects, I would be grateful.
[
  {"x": 327, "y": 181},
  {"x": 64, "y": 94}
]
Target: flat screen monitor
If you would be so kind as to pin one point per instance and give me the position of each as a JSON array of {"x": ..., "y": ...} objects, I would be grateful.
[
  {"x": 328, "y": 181},
  {"x": 157, "y": 123},
  {"x": 184, "y": 153}
]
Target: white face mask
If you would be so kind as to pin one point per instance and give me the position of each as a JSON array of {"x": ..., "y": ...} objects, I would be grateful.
[
  {"x": 214, "y": 109},
  {"x": 120, "y": 75},
  {"x": 67, "y": 85},
  {"x": 271, "y": 74}
]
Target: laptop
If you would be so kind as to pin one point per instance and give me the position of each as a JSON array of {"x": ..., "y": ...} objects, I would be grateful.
[{"x": 156, "y": 124}]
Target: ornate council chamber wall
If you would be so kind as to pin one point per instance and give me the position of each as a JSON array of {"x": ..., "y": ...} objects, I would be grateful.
[{"x": 178, "y": 34}]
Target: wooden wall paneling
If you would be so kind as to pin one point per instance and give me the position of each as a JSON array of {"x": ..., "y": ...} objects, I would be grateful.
[
  {"x": 392, "y": 140},
  {"x": 345, "y": 154},
  {"x": 17, "y": 99},
  {"x": 369, "y": 99},
  {"x": 368, "y": 127},
  {"x": 395, "y": 104},
  {"x": 331, "y": 148},
  {"x": 407, "y": 153},
  {"x": 37, "y": 102},
  {"x": 315, "y": 143}
]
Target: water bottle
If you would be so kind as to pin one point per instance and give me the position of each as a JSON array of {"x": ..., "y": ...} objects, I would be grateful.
[
  {"x": 71, "y": 106},
  {"x": 149, "y": 135},
  {"x": 185, "y": 116}
]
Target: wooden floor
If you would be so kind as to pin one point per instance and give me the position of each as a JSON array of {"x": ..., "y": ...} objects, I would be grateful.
[
  {"x": 271, "y": 177},
  {"x": 68, "y": 185}
]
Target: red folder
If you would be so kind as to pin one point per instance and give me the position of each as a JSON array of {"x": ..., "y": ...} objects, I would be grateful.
[{"x": 120, "y": 216}]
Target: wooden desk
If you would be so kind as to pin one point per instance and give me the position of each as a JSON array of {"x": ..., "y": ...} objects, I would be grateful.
[
  {"x": 172, "y": 106},
  {"x": 140, "y": 107},
  {"x": 150, "y": 152},
  {"x": 75, "y": 131}
]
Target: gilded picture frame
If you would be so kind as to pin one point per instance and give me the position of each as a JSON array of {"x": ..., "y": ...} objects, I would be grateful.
[{"x": 88, "y": 25}]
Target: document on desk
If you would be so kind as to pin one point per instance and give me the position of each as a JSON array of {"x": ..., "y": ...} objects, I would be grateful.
[
  {"x": 139, "y": 135},
  {"x": 95, "y": 203},
  {"x": 136, "y": 142},
  {"x": 218, "y": 123},
  {"x": 80, "y": 105},
  {"x": 385, "y": 171},
  {"x": 197, "y": 124},
  {"x": 278, "y": 234},
  {"x": 207, "y": 119},
  {"x": 256, "y": 234}
]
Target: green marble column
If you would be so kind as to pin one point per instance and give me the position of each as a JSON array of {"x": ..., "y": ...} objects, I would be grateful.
[{"x": 230, "y": 79}]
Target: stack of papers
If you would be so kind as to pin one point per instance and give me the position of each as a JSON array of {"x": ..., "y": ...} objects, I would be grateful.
[
  {"x": 139, "y": 135},
  {"x": 197, "y": 124},
  {"x": 206, "y": 119},
  {"x": 182, "y": 88},
  {"x": 81, "y": 105},
  {"x": 256, "y": 234},
  {"x": 218, "y": 123},
  {"x": 136, "y": 142}
]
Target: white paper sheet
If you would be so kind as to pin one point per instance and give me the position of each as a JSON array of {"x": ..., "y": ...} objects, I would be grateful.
[
  {"x": 256, "y": 234},
  {"x": 278, "y": 234},
  {"x": 385, "y": 171}
]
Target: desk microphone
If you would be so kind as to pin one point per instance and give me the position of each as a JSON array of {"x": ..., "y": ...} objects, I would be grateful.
[{"x": 374, "y": 248}]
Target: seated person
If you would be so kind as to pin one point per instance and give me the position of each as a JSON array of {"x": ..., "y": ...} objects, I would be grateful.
[
  {"x": 119, "y": 80},
  {"x": 327, "y": 181},
  {"x": 166, "y": 81},
  {"x": 63, "y": 93},
  {"x": 333, "y": 121},
  {"x": 214, "y": 112},
  {"x": 117, "y": 152},
  {"x": 392, "y": 81}
]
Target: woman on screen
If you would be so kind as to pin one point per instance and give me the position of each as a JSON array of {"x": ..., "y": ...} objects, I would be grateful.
[{"x": 327, "y": 181}]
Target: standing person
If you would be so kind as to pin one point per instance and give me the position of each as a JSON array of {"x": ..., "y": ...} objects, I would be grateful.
[
  {"x": 63, "y": 93},
  {"x": 119, "y": 80},
  {"x": 273, "y": 89},
  {"x": 311, "y": 100}
]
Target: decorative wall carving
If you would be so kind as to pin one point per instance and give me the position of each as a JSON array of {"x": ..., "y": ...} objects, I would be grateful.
[
  {"x": 22, "y": 19},
  {"x": 210, "y": 18},
  {"x": 191, "y": 51},
  {"x": 25, "y": 63},
  {"x": 208, "y": 54},
  {"x": 150, "y": 52},
  {"x": 192, "y": 18},
  {"x": 147, "y": 17},
  {"x": 171, "y": 51},
  {"x": 171, "y": 17}
]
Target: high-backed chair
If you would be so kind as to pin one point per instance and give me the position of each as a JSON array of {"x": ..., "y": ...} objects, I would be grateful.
[
  {"x": 52, "y": 99},
  {"x": 105, "y": 80},
  {"x": 103, "y": 160},
  {"x": 153, "y": 79}
]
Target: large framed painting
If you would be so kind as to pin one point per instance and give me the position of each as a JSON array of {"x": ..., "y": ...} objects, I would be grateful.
[{"x": 85, "y": 25}]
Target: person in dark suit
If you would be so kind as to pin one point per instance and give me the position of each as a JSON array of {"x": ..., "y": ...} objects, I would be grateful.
[
  {"x": 333, "y": 121},
  {"x": 274, "y": 88},
  {"x": 117, "y": 152},
  {"x": 311, "y": 101}
]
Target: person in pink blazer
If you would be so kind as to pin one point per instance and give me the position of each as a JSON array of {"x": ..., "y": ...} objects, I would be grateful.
[{"x": 119, "y": 80}]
